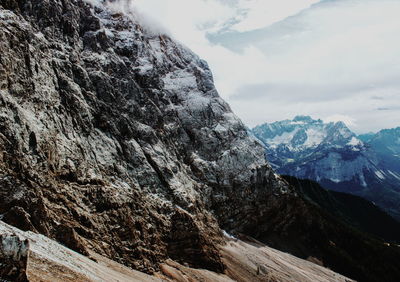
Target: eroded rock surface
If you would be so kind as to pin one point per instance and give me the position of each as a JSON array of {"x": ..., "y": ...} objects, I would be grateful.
[
  {"x": 245, "y": 261},
  {"x": 114, "y": 139},
  {"x": 13, "y": 258}
]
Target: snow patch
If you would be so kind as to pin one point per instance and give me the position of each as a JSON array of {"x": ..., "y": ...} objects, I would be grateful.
[
  {"x": 219, "y": 128},
  {"x": 354, "y": 142},
  {"x": 314, "y": 137},
  {"x": 379, "y": 174},
  {"x": 395, "y": 175},
  {"x": 336, "y": 180},
  {"x": 284, "y": 138},
  {"x": 297, "y": 122},
  {"x": 180, "y": 80},
  {"x": 226, "y": 234},
  {"x": 362, "y": 180}
]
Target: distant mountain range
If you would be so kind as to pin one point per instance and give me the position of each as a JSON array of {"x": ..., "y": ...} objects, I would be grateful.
[{"x": 367, "y": 165}]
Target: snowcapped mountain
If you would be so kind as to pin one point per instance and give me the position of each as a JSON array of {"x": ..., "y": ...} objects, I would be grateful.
[
  {"x": 333, "y": 155},
  {"x": 290, "y": 140}
]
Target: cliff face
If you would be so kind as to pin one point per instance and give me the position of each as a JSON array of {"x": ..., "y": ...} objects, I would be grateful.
[{"x": 114, "y": 139}]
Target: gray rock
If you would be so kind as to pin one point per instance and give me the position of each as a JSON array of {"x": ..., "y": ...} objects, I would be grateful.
[
  {"x": 113, "y": 132},
  {"x": 14, "y": 254}
]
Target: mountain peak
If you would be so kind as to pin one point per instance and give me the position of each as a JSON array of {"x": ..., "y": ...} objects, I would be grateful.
[
  {"x": 302, "y": 118},
  {"x": 306, "y": 119},
  {"x": 305, "y": 132}
]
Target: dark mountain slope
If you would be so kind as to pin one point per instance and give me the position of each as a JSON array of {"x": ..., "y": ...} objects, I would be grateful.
[
  {"x": 351, "y": 209},
  {"x": 308, "y": 231},
  {"x": 386, "y": 144}
]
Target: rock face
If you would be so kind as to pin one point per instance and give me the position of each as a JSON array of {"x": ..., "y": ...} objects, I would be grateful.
[
  {"x": 13, "y": 257},
  {"x": 113, "y": 138},
  {"x": 335, "y": 157},
  {"x": 386, "y": 144}
]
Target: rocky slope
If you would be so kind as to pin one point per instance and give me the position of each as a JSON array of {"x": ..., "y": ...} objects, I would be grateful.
[
  {"x": 114, "y": 140},
  {"x": 46, "y": 260},
  {"x": 386, "y": 144},
  {"x": 355, "y": 211},
  {"x": 335, "y": 157}
]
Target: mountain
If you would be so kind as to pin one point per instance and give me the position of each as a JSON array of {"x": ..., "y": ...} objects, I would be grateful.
[
  {"x": 366, "y": 137},
  {"x": 289, "y": 140},
  {"x": 386, "y": 144},
  {"x": 332, "y": 155},
  {"x": 354, "y": 210},
  {"x": 114, "y": 140}
]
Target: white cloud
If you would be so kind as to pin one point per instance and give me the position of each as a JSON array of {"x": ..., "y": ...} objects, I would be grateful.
[
  {"x": 185, "y": 20},
  {"x": 331, "y": 59},
  {"x": 349, "y": 121},
  {"x": 260, "y": 13}
]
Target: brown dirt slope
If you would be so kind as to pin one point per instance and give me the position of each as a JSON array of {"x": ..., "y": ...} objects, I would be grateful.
[{"x": 245, "y": 261}]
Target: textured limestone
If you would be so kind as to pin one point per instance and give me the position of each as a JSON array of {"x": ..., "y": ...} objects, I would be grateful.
[
  {"x": 14, "y": 254},
  {"x": 114, "y": 139}
]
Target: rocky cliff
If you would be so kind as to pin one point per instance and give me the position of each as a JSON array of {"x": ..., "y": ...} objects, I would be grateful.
[{"x": 113, "y": 138}]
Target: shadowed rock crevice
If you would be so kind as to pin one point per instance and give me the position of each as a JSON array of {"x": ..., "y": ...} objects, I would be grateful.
[{"x": 188, "y": 243}]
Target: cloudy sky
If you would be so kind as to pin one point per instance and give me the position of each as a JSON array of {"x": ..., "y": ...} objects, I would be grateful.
[{"x": 274, "y": 59}]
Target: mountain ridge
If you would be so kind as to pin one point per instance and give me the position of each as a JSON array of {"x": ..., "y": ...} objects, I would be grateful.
[
  {"x": 354, "y": 210},
  {"x": 337, "y": 158}
]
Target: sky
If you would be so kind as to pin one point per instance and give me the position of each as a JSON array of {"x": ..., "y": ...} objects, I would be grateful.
[{"x": 275, "y": 59}]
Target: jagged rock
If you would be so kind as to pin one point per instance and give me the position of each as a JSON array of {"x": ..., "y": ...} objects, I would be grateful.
[
  {"x": 68, "y": 236},
  {"x": 107, "y": 129},
  {"x": 14, "y": 254},
  {"x": 188, "y": 242}
]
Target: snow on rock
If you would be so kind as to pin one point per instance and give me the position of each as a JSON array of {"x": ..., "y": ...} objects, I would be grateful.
[
  {"x": 354, "y": 141},
  {"x": 394, "y": 174},
  {"x": 309, "y": 148},
  {"x": 314, "y": 137},
  {"x": 331, "y": 154},
  {"x": 380, "y": 174}
]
